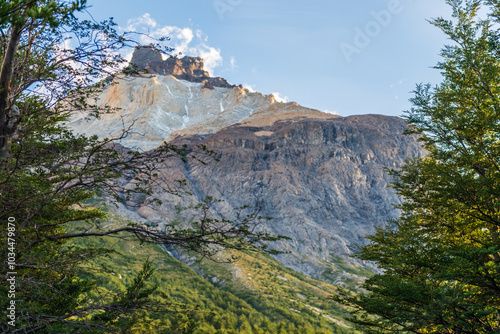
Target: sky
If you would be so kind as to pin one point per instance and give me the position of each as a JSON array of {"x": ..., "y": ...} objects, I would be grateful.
[{"x": 340, "y": 56}]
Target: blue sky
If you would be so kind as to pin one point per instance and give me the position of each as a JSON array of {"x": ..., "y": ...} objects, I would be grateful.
[{"x": 348, "y": 57}]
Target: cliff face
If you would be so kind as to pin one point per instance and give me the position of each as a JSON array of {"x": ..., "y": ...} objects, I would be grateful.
[
  {"x": 158, "y": 106},
  {"x": 186, "y": 68},
  {"x": 321, "y": 179}
]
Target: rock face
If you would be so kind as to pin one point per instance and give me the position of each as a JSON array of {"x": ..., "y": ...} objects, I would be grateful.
[
  {"x": 322, "y": 181},
  {"x": 142, "y": 56},
  {"x": 186, "y": 68},
  {"x": 159, "y": 106},
  {"x": 321, "y": 177}
]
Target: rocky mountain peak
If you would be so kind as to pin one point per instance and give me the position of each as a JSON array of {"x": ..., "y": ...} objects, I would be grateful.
[
  {"x": 186, "y": 68},
  {"x": 143, "y": 55}
]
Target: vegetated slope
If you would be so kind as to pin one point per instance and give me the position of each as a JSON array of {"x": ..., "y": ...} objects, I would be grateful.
[{"x": 256, "y": 296}]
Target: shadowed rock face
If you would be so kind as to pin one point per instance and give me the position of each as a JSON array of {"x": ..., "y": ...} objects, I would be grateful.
[
  {"x": 322, "y": 180},
  {"x": 142, "y": 56},
  {"x": 186, "y": 68}
]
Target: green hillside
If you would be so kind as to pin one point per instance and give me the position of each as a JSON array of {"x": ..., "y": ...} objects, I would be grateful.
[{"x": 253, "y": 295}]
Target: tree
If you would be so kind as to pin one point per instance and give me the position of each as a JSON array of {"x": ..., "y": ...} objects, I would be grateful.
[
  {"x": 441, "y": 258},
  {"x": 47, "y": 172}
]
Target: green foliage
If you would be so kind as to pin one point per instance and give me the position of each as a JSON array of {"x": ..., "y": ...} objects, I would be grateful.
[
  {"x": 441, "y": 258},
  {"x": 263, "y": 304},
  {"x": 15, "y": 12}
]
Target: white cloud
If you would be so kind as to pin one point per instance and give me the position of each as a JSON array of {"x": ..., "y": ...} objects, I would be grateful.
[
  {"x": 129, "y": 55},
  {"x": 249, "y": 87},
  {"x": 333, "y": 112},
  {"x": 61, "y": 53},
  {"x": 137, "y": 23},
  {"x": 279, "y": 98},
  {"x": 232, "y": 64},
  {"x": 211, "y": 56},
  {"x": 183, "y": 40}
]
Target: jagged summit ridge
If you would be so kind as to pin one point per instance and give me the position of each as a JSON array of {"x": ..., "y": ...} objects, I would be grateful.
[
  {"x": 186, "y": 68},
  {"x": 143, "y": 55}
]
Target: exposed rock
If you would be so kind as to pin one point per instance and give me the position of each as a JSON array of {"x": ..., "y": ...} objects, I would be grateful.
[
  {"x": 142, "y": 56},
  {"x": 321, "y": 179},
  {"x": 160, "y": 106},
  {"x": 207, "y": 84},
  {"x": 186, "y": 68}
]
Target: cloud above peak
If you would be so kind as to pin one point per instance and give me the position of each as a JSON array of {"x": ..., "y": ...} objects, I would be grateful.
[
  {"x": 183, "y": 40},
  {"x": 279, "y": 98}
]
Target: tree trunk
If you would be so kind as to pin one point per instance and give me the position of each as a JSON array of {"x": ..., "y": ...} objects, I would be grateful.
[{"x": 5, "y": 87}]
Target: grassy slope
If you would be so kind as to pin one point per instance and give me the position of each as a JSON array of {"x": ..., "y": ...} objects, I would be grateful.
[{"x": 254, "y": 295}]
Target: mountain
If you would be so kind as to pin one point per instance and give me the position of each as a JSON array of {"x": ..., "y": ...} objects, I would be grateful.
[
  {"x": 185, "y": 101},
  {"x": 323, "y": 181},
  {"x": 320, "y": 176}
]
